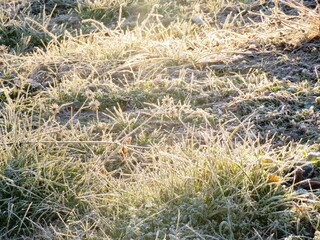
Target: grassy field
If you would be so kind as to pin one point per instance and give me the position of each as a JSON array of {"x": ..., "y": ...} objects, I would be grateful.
[{"x": 158, "y": 119}]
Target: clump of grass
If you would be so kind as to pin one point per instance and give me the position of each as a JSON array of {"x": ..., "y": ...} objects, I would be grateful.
[{"x": 194, "y": 88}]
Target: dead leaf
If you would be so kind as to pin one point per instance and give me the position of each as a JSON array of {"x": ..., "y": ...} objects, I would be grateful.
[
  {"x": 123, "y": 152},
  {"x": 273, "y": 178},
  {"x": 103, "y": 171}
]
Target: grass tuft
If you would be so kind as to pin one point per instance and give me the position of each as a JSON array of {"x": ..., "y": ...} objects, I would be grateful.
[{"x": 159, "y": 119}]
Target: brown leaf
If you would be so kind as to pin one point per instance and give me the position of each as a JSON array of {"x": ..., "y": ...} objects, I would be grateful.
[
  {"x": 103, "y": 171},
  {"x": 273, "y": 178},
  {"x": 123, "y": 152}
]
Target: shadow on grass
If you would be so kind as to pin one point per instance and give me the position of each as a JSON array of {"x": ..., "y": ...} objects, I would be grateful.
[{"x": 287, "y": 108}]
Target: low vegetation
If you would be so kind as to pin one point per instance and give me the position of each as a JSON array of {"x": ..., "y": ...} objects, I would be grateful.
[{"x": 187, "y": 119}]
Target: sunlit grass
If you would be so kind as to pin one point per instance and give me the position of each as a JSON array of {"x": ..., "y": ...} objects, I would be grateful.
[{"x": 156, "y": 120}]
